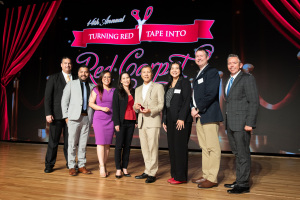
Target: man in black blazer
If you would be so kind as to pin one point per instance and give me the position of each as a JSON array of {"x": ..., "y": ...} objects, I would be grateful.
[
  {"x": 53, "y": 94},
  {"x": 241, "y": 111},
  {"x": 206, "y": 110}
]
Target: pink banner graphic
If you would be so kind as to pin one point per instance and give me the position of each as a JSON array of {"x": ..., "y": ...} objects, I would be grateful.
[{"x": 150, "y": 32}]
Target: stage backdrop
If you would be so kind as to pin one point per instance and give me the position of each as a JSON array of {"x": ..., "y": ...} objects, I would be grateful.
[{"x": 124, "y": 36}]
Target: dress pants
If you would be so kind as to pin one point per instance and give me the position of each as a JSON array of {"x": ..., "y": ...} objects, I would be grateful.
[
  {"x": 239, "y": 142},
  {"x": 123, "y": 142},
  {"x": 149, "y": 145},
  {"x": 208, "y": 136},
  {"x": 178, "y": 148},
  {"x": 78, "y": 136},
  {"x": 56, "y": 128}
]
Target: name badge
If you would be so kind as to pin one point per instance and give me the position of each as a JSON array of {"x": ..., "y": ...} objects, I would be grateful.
[
  {"x": 177, "y": 91},
  {"x": 200, "y": 81}
]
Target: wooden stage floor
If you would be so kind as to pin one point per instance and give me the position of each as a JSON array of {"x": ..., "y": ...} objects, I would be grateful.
[{"x": 22, "y": 177}]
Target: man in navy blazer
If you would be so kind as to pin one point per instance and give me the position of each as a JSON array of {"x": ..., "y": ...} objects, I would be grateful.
[
  {"x": 241, "y": 111},
  {"x": 206, "y": 110}
]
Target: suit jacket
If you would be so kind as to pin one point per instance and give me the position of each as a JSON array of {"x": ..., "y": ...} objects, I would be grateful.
[
  {"x": 180, "y": 102},
  {"x": 206, "y": 94},
  {"x": 53, "y": 94},
  {"x": 119, "y": 107},
  {"x": 154, "y": 101},
  {"x": 71, "y": 102},
  {"x": 242, "y": 102}
]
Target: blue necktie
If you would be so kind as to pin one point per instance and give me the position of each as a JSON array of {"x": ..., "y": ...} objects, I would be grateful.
[
  {"x": 229, "y": 85},
  {"x": 84, "y": 96}
]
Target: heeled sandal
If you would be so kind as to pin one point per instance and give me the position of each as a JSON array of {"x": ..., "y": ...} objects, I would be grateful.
[
  {"x": 107, "y": 173},
  {"x": 102, "y": 174}
]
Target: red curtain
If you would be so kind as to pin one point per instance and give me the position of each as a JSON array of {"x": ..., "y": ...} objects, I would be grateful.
[
  {"x": 24, "y": 28},
  {"x": 284, "y": 16}
]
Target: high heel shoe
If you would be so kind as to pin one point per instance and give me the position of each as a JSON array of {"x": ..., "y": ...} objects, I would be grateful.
[
  {"x": 107, "y": 173},
  {"x": 127, "y": 175},
  {"x": 119, "y": 176},
  {"x": 102, "y": 171}
]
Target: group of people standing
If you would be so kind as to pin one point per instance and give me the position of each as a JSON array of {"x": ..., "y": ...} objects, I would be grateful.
[{"x": 121, "y": 110}]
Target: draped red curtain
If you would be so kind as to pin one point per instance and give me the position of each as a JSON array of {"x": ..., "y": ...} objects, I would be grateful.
[
  {"x": 284, "y": 15},
  {"x": 24, "y": 28}
]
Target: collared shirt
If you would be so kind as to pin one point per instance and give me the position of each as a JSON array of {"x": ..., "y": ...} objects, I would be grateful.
[
  {"x": 194, "y": 102},
  {"x": 65, "y": 76},
  {"x": 145, "y": 90},
  {"x": 234, "y": 76},
  {"x": 87, "y": 95}
]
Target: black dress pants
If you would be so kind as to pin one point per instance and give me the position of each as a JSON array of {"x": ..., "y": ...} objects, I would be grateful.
[
  {"x": 239, "y": 142},
  {"x": 123, "y": 142},
  {"x": 178, "y": 148},
  {"x": 56, "y": 128}
]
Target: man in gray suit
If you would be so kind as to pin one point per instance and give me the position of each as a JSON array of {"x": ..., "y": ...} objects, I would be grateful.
[
  {"x": 78, "y": 115},
  {"x": 241, "y": 111}
]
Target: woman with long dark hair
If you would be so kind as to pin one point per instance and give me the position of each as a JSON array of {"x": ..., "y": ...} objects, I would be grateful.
[
  {"x": 101, "y": 101},
  {"x": 177, "y": 122},
  {"x": 124, "y": 118}
]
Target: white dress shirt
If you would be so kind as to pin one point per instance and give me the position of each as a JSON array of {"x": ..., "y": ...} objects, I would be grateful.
[
  {"x": 145, "y": 90},
  {"x": 232, "y": 81},
  {"x": 65, "y": 76}
]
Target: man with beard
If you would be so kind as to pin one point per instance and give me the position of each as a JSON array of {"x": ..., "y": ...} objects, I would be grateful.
[{"x": 78, "y": 116}]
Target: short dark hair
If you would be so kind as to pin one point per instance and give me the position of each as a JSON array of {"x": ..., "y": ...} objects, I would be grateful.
[
  {"x": 83, "y": 66},
  {"x": 65, "y": 57},
  {"x": 147, "y": 66},
  {"x": 202, "y": 49}
]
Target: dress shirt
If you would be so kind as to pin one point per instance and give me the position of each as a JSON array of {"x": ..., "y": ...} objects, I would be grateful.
[
  {"x": 234, "y": 76},
  {"x": 65, "y": 76},
  {"x": 145, "y": 90}
]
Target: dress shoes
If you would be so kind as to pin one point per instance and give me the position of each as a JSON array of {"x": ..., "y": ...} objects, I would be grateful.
[
  {"x": 198, "y": 180},
  {"x": 48, "y": 170},
  {"x": 232, "y": 185},
  {"x": 142, "y": 176},
  {"x": 84, "y": 170},
  {"x": 170, "y": 179},
  {"x": 72, "y": 172},
  {"x": 239, "y": 190},
  {"x": 207, "y": 184},
  {"x": 150, "y": 179},
  {"x": 177, "y": 182}
]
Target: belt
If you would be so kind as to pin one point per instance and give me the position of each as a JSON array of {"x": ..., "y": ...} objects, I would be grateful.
[{"x": 84, "y": 114}]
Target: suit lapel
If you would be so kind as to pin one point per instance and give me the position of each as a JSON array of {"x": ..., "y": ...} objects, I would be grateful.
[
  {"x": 236, "y": 80},
  {"x": 62, "y": 79},
  {"x": 200, "y": 75},
  {"x": 78, "y": 85},
  {"x": 148, "y": 92}
]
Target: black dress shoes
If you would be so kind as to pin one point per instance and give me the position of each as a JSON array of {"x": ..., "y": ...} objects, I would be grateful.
[
  {"x": 239, "y": 190},
  {"x": 150, "y": 179},
  {"x": 142, "y": 176},
  {"x": 48, "y": 170},
  {"x": 232, "y": 185}
]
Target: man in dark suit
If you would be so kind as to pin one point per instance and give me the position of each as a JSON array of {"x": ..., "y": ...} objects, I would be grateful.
[
  {"x": 53, "y": 94},
  {"x": 241, "y": 111},
  {"x": 206, "y": 110}
]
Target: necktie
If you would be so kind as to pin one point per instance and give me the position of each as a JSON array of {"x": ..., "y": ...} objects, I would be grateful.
[
  {"x": 229, "y": 85},
  {"x": 84, "y": 96},
  {"x": 68, "y": 77}
]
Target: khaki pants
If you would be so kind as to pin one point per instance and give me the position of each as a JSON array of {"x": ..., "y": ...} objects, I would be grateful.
[
  {"x": 149, "y": 145},
  {"x": 208, "y": 136}
]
